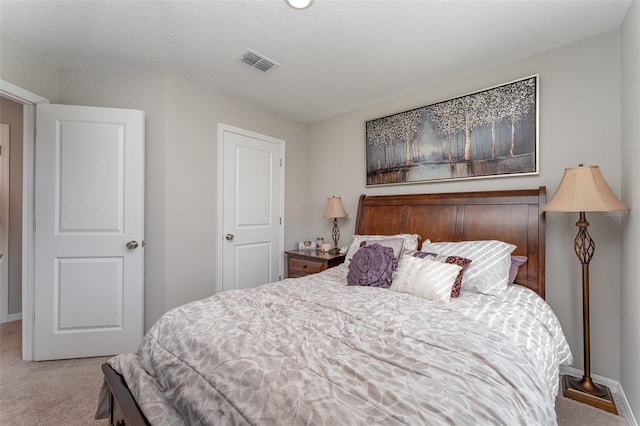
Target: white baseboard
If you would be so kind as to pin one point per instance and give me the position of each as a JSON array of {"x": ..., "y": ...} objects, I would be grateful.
[
  {"x": 614, "y": 385},
  {"x": 14, "y": 317}
]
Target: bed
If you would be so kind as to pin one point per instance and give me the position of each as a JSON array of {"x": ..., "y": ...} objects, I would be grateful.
[{"x": 315, "y": 350}]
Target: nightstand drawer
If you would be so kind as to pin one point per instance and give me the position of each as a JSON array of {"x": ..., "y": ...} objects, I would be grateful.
[
  {"x": 304, "y": 266},
  {"x": 301, "y": 263}
]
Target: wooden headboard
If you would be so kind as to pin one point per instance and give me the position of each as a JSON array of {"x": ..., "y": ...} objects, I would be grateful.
[{"x": 513, "y": 216}]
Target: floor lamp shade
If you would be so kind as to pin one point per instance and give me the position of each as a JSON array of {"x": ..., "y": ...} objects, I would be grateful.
[
  {"x": 335, "y": 209},
  {"x": 584, "y": 189}
]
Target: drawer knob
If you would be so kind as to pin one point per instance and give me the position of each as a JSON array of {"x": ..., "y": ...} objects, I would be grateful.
[{"x": 304, "y": 266}]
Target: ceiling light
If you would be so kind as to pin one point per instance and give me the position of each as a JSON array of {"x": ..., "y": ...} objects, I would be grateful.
[{"x": 299, "y": 4}]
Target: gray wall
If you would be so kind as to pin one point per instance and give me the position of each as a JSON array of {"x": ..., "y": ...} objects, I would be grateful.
[
  {"x": 630, "y": 290},
  {"x": 181, "y": 177},
  {"x": 18, "y": 66},
  {"x": 579, "y": 123},
  {"x": 181, "y": 152}
]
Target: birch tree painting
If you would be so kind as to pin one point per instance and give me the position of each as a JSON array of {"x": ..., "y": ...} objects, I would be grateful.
[{"x": 488, "y": 133}]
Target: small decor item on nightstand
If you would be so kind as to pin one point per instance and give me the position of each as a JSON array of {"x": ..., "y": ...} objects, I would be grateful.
[
  {"x": 319, "y": 243},
  {"x": 335, "y": 209},
  {"x": 306, "y": 245}
]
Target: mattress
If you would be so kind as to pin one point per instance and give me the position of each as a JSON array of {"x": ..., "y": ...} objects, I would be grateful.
[{"x": 314, "y": 351}]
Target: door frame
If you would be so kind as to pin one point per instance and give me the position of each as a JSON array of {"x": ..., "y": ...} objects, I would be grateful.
[
  {"x": 4, "y": 217},
  {"x": 224, "y": 128},
  {"x": 29, "y": 101}
]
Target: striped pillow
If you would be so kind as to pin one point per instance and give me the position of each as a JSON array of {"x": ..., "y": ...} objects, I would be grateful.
[{"x": 488, "y": 272}]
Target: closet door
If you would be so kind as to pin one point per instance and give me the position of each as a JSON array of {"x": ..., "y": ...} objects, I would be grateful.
[{"x": 252, "y": 182}]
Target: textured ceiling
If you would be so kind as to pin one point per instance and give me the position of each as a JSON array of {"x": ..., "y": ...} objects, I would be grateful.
[{"x": 336, "y": 56}]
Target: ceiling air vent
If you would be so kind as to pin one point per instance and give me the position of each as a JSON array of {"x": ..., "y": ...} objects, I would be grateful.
[{"x": 257, "y": 60}]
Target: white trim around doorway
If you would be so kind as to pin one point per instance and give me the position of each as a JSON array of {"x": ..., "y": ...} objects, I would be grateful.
[{"x": 29, "y": 101}]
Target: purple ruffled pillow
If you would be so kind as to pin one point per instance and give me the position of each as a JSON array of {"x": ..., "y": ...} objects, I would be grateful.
[
  {"x": 372, "y": 266},
  {"x": 516, "y": 262}
]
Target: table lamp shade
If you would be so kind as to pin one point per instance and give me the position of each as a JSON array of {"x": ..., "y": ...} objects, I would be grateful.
[
  {"x": 334, "y": 208},
  {"x": 583, "y": 189}
]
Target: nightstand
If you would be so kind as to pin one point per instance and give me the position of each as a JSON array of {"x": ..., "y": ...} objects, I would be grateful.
[{"x": 301, "y": 263}]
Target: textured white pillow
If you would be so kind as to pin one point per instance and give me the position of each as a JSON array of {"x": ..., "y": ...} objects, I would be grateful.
[
  {"x": 488, "y": 272},
  {"x": 425, "y": 278},
  {"x": 410, "y": 242}
]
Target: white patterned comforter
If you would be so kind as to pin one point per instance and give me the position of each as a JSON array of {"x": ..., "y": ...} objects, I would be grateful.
[{"x": 312, "y": 351}]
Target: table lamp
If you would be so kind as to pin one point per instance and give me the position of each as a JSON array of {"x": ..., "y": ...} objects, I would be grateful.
[{"x": 334, "y": 210}]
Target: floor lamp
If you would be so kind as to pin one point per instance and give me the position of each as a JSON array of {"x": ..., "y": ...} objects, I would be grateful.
[{"x": 583, "y": 189}]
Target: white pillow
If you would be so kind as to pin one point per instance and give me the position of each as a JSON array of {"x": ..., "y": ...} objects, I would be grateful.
[
  {"x": 425, "y": 278},
  {"x": 488, "y": 272},
  {"x": 410, "y": 242}
]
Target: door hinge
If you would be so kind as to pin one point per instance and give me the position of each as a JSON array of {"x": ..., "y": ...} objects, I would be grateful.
[
  {"x": 281, "y": 162},
  {"x": 280, "y": 221}
]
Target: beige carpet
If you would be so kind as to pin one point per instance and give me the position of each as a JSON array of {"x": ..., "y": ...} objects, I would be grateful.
[
  {"x": 66, "y": 392},
  {"x": 45, "y": 393},
  {"x": 573, "y": 413}
]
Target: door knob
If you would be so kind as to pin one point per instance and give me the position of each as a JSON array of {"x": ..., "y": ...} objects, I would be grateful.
[
  {"x": 229, "y": 237},
  {"x": 132, "y": 245}
]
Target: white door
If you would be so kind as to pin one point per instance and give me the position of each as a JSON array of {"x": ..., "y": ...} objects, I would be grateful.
[
  {"x": 252, "y": 182},
  {"x": 89, "y": 212}
]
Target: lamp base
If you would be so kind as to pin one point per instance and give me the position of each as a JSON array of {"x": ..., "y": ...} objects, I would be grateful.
[{"x": 585, "y": 391}]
